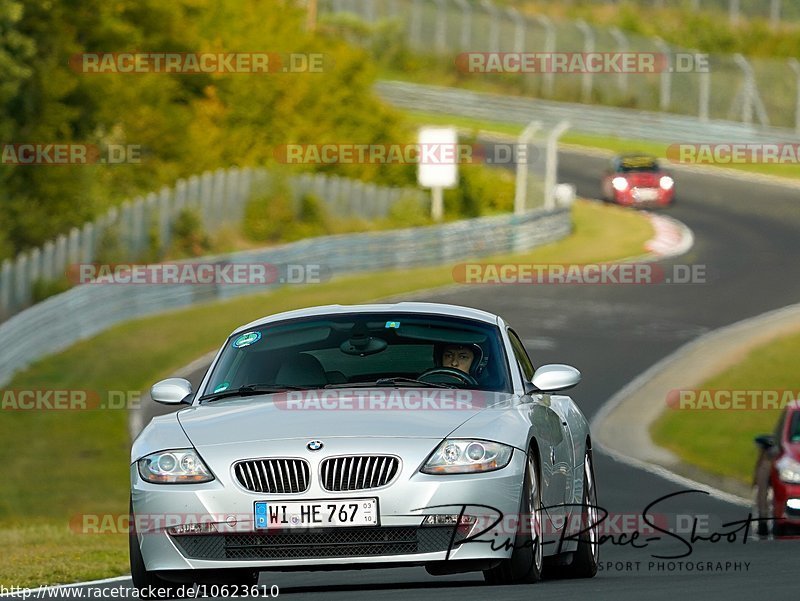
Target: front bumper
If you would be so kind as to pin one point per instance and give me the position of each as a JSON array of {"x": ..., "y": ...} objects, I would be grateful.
[
  {"x": 400, "y": 538},
  {"x": 645, "y": 197}
]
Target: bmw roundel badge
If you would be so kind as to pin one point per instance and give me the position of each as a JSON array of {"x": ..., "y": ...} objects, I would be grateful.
[{"x": 314, "y": 445}]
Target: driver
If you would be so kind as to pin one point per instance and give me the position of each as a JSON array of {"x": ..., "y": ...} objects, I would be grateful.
[{"x": 458, "y": 356}]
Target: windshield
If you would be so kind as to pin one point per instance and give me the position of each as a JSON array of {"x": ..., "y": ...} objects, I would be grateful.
[
  {"x": 794, "y": 427},
  {"x": 633, "y": 164},
  {"x": 356, "y": 350}
]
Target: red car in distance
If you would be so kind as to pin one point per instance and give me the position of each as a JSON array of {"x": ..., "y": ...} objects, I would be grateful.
[
  {"x": 638, "y": 180},
  {"x": 777, "y": 475}
]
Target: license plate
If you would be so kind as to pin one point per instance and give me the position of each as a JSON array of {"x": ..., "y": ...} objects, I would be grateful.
[
  {"x": 645, "y": 194},
  {"x": 316, "y": 514}
]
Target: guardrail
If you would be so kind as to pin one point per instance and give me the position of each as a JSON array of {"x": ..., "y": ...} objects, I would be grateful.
[
  {"x": 600, "y": 120},
  {"x": 219, "y": 199},
  {"x": 88, "y": 309}
]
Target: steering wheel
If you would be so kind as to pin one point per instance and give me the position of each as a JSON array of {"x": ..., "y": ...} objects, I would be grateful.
[{"x": 448, "y": 371}]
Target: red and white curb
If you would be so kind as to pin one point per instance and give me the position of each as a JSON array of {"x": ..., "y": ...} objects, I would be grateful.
[{"x": 672, "y": 237}]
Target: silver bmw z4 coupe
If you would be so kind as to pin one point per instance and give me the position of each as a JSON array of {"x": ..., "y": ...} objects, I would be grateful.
[{"x": 370, "y": 436}]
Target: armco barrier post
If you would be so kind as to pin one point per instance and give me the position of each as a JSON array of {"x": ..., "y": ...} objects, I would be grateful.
[
  {"x": 551, "y": 168},
  {"x": 521, "y": 191}
]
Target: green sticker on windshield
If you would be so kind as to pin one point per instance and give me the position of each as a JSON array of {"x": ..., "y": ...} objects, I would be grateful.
[
  {"x": 247, "y": 339},
  {"x": 222, "y": 387},
  {"x": 393, "y": 324}
]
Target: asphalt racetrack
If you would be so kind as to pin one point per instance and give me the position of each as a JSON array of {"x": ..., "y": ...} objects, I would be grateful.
[{"x": 746, "y": 235}]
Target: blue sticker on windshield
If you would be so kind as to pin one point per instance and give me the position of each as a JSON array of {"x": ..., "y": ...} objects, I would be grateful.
[
  {"x": 393, "y": 324},
  {"x": 222, "y": 387},
  {"x": 247, "y": 339}
]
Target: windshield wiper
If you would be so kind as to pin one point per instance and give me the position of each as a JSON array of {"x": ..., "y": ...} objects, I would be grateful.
[
  {"x": 250, "y": 390},
  {"x": 392, "y": 382}
]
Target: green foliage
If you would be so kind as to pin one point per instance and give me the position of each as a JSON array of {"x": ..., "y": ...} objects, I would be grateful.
[
  {"x": 109, "y": 247},
  {"x": 183, "y": 123},
  {"x": 678, "y": 23},
  {"x": 409, "y": 212},
  {"x": 189, "y": 238},
  {"x": 6, "y": 250},
  {"x": 481, "y": 190},
  {"x": 42, "y": 289},
  {"x": 277, "y": 217}
]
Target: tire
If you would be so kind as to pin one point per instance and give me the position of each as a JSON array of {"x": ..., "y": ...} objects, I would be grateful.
[
  {"x": 143, "y": 580},
  {"x": 525, "y": 564},
  {"x": 587, "y": 555}
]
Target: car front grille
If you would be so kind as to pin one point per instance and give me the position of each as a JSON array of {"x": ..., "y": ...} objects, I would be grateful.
[
  {"x": 273, "y": 475},
  {"x": 318, "y": 543},
  {"x": 358, "y": 472}
]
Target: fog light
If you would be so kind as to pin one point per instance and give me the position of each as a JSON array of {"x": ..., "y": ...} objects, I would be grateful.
[
  {"x": 184, "y": 529},
  {"x": 447, "y": 520},
  {"x": 793, "y": 504}
]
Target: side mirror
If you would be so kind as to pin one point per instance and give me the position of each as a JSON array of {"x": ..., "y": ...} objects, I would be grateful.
[
  {"x": 171, "y": 391},
  {"x": 765, "y": 441},
  {"x": 555, "y": 377}
]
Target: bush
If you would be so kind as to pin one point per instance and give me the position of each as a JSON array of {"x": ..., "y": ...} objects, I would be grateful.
[
  {"x": 481, "y": 190},
  {"x": 273, "y": 217},
  {"x": 109, "y": 248},
  {"x": 42, "y": 289},
  {"x": 188, "y": 236}
]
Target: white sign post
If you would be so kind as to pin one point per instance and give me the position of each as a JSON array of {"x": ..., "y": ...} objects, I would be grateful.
[{"x": 437, "y": 168}]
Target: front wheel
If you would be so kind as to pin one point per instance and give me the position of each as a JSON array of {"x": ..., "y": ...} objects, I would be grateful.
[{"x": 525, "y": 564}]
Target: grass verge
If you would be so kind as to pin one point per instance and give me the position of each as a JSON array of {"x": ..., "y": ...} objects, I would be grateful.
[
  {"x": 57, "y": 466},
  {"x": 721, "y": 442},
  {"x": 615, "y": 145}
]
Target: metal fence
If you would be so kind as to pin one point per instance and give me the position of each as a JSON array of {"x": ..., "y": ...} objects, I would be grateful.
[
  {"x": 86, "y": 310},
  {"x": 137, "y": 226},
  {"x": 760, "y": 91},
  {"x": 775, "y": 11}
]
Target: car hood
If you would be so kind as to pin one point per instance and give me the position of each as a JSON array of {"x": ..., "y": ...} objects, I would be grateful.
[
  {"x": 361, "y": 412},
  {"x": 644, "y": 179}
]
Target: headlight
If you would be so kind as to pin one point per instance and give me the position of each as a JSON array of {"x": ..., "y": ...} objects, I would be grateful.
[
  {"x": 788, "y": 470},
  {"x": 467, "y": 456},
  {"x": 666, "y": 182},
  {"x": 620, "y": 184},
  {"x": 182, "y": 466}
]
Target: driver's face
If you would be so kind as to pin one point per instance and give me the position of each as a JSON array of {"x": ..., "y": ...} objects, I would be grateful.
[{"x": 458, "y": 357}]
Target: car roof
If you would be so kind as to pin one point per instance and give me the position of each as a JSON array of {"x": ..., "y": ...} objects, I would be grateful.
[{"x": 402, "y": 307}]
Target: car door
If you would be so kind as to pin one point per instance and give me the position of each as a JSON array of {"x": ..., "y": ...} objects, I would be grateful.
[{"x": 554, "y": 441}]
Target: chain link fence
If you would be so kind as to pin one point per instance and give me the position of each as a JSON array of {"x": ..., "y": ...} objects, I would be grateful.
[
  {"x": 138, "y": 226},
  {"x": 765, "y": 92},
  {"x": 775, "y": 11}
]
